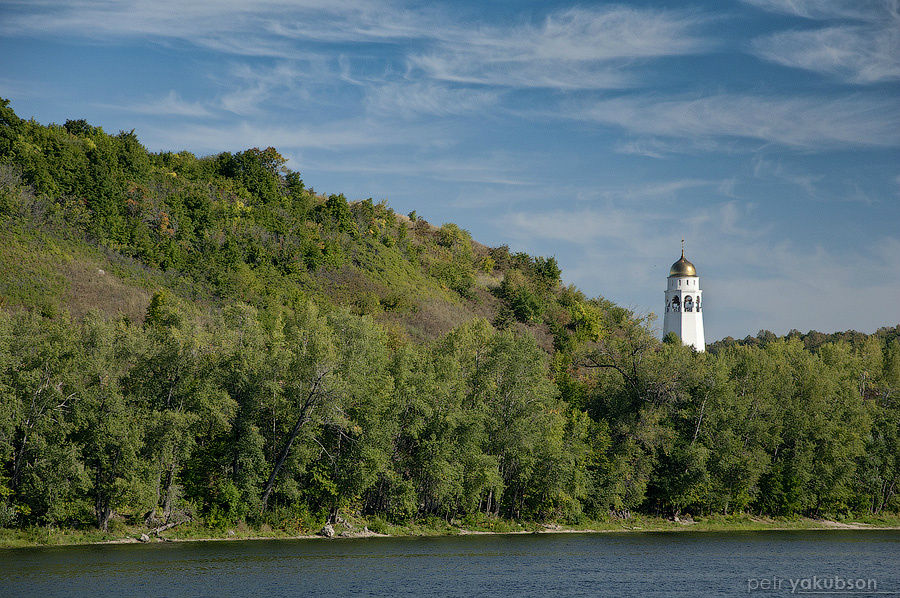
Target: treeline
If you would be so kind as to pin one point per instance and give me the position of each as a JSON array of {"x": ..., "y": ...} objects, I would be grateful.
[
  {"x": 274, "y": 417},
  {"x": 320, "y": 356},
  {"x": 812, "y": 340},
  {"x": 289, "y": 418}
]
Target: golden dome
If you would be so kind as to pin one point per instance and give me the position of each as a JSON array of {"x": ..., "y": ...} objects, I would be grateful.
[{"x": 682, "y": 267}]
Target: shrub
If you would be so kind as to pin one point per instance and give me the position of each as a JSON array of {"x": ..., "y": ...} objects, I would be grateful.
[{"x": 457, "y": 275}]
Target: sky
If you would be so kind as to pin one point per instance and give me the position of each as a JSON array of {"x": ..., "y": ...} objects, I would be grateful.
[{"x": 766, "y": 133}]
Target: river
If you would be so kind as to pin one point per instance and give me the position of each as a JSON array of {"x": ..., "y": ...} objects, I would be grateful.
[{"x": 614, "y": 564}]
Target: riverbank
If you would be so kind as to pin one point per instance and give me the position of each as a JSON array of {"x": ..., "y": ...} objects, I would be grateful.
[{"x": 192, "y": 532}]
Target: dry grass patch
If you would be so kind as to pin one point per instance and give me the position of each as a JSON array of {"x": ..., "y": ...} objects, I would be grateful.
[{"x": 90, "y": 287}]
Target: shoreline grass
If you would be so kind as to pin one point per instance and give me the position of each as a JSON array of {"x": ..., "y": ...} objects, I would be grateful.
[{"x": 376, "y": 527}]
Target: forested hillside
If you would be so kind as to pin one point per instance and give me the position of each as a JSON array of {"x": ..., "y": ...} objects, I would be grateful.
[{"x": 206, "y": 338}]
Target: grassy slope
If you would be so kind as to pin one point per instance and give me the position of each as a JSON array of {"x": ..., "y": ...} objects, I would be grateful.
[
  {"x": 44, "y": 269},
  {"x": 47, "y": 271},
  {"x": 41, "y": 271}
]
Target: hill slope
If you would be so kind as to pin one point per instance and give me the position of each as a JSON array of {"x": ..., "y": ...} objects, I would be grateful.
[{"x": 237, "y": 227}]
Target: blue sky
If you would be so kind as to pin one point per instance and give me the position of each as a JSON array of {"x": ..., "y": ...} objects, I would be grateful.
[{"x": 766, "y": 132}]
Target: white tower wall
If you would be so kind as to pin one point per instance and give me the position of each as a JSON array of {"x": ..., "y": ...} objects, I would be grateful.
[{"x": 684, "y": 311}]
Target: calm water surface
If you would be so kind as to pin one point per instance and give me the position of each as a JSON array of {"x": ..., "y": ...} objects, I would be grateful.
[{"x": 653, "y": 564}]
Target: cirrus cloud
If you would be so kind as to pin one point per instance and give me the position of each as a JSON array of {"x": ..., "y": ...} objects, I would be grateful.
[
  {"x": 808, "y": 123},
  {"x": 863, "y": 49}
]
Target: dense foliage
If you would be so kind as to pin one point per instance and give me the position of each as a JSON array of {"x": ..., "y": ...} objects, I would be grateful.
[{"x": 288, "y": 369}]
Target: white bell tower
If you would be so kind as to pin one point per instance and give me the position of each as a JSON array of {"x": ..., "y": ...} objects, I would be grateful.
[{"x": 683, "y": 304}]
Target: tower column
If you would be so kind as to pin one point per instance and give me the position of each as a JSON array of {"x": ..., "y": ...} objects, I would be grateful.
[{"x": 684, "y": 304}]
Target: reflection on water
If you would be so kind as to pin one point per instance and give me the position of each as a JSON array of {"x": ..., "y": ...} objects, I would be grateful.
[{"x": 663, "y": 564}]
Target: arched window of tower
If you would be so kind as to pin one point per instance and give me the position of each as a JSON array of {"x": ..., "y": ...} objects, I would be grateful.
[
  {"x": 675, "y": 303},
  {"x": 688, "y": 303}
]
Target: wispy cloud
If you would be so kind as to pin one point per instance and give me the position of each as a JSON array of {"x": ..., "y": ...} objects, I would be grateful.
[
  {"x": 768, "y": 169},
  {"x": 656, "y": 191},
  {"x": 335, "y": 135},
  {"x": 413, "y": 98},
  {"x": 581, "y": 227},
  {"x": 819, "y": 187},
  {"x": 21, "y": 89},
  {"x": 656, "y": 147},
  {"x": 262, "y": 28},
  {"x": 827, "y": 9},
  {"x": 864, "y": 50},
  {"x": 452, "y": 66},
  {"x": 472, "y": 67},
  {"x": 645, "y": 232},
  {"x": 838, "y": 290},
  {"x": 490, "y": 169},
  {"x": 169, "y": 105},
  {"x": 804, "y": 122},
  {"x": 855, "y": 54},
  {"x": 575, "y": 48},
  {"x": 251, "y": 88},
  {"x": 570, "y": 49},
  {"x": 572, "y": 34}
]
